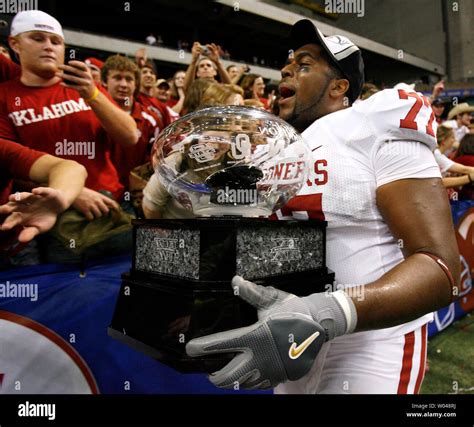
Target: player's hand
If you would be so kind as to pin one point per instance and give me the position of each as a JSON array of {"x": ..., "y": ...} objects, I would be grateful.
[
  {"x": 77, "y": 75},
  {"x": 93, "y": 204},
  {"x": 36, "y": 211},
  {"x": 281, "y": 346},
  {"x": 196, "y": 50}
]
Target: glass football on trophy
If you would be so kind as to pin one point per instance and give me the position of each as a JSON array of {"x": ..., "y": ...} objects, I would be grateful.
[{"x": 232, "y": 168}]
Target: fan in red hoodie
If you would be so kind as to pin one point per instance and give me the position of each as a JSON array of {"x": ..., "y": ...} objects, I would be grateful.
[{"x": 57, "y": 109}]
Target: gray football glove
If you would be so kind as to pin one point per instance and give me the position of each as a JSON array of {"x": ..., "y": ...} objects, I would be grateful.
[{"x": 284, "y": 342}]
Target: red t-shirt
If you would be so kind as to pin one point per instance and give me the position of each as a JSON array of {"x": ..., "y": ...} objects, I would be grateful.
[
  {"x": 15, "y": 162},
  {"x": 156, "y": 106},
  {"x": 264, "y": 101},
  {"x": 8, "y": 69},
  {"x": 467, "y": 191},
  {"x": 467, "y": 160},
  {"x": 127, "y": 158},
  {"x": 57, "y": 120}
]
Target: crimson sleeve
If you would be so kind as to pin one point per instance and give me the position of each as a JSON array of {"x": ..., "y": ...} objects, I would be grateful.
[
  {"x": 8, "y": 69},
  {"x": 7, "y": 129},
  {"x": 16, "y": 160}
]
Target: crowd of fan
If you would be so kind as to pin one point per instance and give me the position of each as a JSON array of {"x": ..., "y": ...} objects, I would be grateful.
[{"x": 120, "y": 106}]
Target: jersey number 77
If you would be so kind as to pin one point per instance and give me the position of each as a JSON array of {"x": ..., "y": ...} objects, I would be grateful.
[{"x": 409, "y": 121}]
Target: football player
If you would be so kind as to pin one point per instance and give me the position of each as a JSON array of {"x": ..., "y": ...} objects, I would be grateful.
[{"x": 390, "y": 239}]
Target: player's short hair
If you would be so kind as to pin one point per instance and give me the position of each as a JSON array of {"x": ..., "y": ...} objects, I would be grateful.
[{"x": 119, "y": 63}]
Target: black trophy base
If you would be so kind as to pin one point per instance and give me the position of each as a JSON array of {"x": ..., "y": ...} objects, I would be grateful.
[
  {"x": 179, "y": 287},
  {"x": 158, "y": 318}
]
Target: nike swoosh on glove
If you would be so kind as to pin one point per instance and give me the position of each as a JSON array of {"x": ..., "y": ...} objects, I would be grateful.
[{"x": 281, "y": 346}]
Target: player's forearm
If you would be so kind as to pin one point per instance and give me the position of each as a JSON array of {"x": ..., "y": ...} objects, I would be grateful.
[
  {"x": 118, "y": 124},
  {"x": 415, "y": 287}
]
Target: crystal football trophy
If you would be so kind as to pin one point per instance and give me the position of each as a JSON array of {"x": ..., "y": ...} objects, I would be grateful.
[{"x": 232, "y": 168}]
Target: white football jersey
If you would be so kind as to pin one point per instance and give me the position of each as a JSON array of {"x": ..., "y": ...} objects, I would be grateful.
[{"x": 388, "y": 137}]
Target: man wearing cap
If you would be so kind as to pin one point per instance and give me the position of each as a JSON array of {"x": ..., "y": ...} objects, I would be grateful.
[
  {"x": 390, "y": 239},
  {"x": 58, "y": 109},
  {"x": 438, "y": 107},
  {"x": 459, "y": 118},
  {"x": 163, "y": 94},
  {"x": 162, "y": 90}
]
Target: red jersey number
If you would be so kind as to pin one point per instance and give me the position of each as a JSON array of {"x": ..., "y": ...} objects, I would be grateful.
[{"x": 409, "y": 121}]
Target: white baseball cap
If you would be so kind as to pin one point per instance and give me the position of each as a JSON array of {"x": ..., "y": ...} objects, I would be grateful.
[{"x": 35, "y": 20}]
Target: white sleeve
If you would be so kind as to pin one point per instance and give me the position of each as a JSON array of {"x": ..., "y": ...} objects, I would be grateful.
[
  {"x": 394, "y": 160},
  {"x": 443, "y": 162}
]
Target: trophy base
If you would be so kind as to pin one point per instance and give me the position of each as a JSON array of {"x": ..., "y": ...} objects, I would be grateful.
[
  {"x": 179, "y": 287},
  {"x": 158, "y": 317}
]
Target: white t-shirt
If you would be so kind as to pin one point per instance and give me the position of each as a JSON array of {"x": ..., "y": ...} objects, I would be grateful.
[
  {"x": 444, "y": 162},
  {"x": 355, "y": 151}
]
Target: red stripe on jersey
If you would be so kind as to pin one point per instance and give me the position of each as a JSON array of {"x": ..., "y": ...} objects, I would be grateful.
[
  {"x": 406, "y": 363},
  {"x": 421, "y": 372},
  {"x": 311, "y": 203}
]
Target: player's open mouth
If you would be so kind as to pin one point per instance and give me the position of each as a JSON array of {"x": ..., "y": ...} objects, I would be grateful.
[{"x": 286, "y": 93}]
